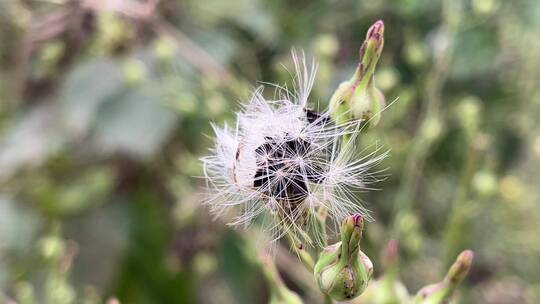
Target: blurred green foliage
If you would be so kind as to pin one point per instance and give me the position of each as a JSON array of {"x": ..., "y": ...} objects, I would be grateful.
[{"x": 105, "y": 107}]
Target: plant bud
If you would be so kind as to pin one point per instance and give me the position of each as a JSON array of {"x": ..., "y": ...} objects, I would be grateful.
[
  {"x": 52, "y": 247},
  {"x": 392, "y": 290},
  {"x": 368, "y": 104},
  {"x": 441, "y": 293},
  {"x": 24, "y": 293},
  {"x": 469, "y": 115},
  {"x": 359, "y": 98},
  {"x": 387, "y": 289},
  {"x": 343, "y": 271}
]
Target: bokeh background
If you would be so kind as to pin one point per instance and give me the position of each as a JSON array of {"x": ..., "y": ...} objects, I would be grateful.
[{"x": 105, "y": 108}]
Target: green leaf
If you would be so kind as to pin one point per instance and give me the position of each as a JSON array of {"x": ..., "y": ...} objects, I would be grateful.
[{"x": 134, "y": 122}]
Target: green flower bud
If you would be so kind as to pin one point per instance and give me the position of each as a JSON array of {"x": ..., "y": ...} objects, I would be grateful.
[
  {"x": 343, "y": 271},
  {"x": 387, "y": 289},
  {"x": 485, "y": 183},
  {"x": 52, "y": 247},
  {"x": 441, "y": 293},
  {"x": 368, "y": 104},
  {"x": 392, "y": 291},
  {"x": 340, "y": 102},
  {"x": 25, "y": 293},
  {"x": 469, "y": 115},
  {"x": 359, "y": 98}
]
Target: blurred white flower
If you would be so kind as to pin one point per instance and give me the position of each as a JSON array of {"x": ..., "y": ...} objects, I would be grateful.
[{"x": 285, "y": 160}]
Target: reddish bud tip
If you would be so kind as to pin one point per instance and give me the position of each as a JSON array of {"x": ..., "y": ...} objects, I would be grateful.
[
  {"x": 392, "y": 250},
  {"x": 461, "y": 267},
  {"x": 376, "y": 30},
  {"x": 358, "y": 220},
  {"x": 465, "y": 259}
]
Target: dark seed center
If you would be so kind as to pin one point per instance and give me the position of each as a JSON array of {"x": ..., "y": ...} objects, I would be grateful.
[{"x": 280, "y": 175}]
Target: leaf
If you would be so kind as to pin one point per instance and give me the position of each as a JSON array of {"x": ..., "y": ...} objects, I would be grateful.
[
  {"x": 87, "y": 87},
  {"x": 31, "y": 139},
  {"x": 134, "y": 122}
]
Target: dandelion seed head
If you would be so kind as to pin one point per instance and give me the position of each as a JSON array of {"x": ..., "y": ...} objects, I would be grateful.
[{"x": 285, "y": 160}]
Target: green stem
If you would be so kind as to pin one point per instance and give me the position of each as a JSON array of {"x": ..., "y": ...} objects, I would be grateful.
[
  {"x": 322, "y": 214},
  {"x": 271, "y": 274},
  {"x": 279, "y": 293},
  {"x": 328, "y": 300},
  {"x": 301, "y": 252},
  {"x": 421, "y": 144},
  {"x": 455, "y": 239}
]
